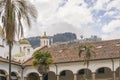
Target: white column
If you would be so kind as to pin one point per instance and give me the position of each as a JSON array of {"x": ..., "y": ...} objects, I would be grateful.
[
  {"x": 41, "y": 78},
  {"x": 57, "y": 77},
  {"x": 75, "y": 76},
  {"x": 7, "y": 77},
  {"x": 93, "y": 76},
  {"x": 114, "y": 76}
]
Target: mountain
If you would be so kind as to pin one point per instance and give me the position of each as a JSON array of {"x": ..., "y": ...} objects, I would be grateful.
[
  {"x": 64, "y": 37},
  {"x": 61, "y": 37},
  {"x": 34, "y": 41}
]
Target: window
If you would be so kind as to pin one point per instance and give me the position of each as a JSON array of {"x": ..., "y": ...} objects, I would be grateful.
[
  {"x": 28, "y": 50},
  {"x": 47, "y": 43},
  {"x": 20, "y": 49},
  {"x": 24, "y": 48},
  {"x": 101, "y": 70},
  {"x": 44, "y": 42}
]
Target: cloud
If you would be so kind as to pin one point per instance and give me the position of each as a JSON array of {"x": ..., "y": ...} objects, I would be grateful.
[
  {"x": 113, "y": 35},
  {"x": 114, "y": 14},
  {"x": 75, "y": 14},
  {"x": 55, "y": 18},
  {"x": 58, "y": 16},
  {"x": 61, "y": 27},
  {"x": 100, "y": 5},
  {"x": 71, "y": 12},
  {"x": 114, "y": 4},
  {"x": 111, "y": 27}
]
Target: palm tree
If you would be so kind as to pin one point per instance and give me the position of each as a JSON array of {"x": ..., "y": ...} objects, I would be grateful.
[
  {"x": 86, "y": 51},
  {"x": 13, "y": 14},
  {"x": 42, "y": 59}
]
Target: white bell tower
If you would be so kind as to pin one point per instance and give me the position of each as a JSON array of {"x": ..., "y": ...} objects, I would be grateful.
[{"x": 45, "y": 40}]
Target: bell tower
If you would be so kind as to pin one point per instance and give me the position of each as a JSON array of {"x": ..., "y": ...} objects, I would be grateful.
[{"x": 44, "y": 40}]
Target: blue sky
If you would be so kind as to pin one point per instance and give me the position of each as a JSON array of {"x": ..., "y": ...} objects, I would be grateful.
[{"x": 83, "y": 17}]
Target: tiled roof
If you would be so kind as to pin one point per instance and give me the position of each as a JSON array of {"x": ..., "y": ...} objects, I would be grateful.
[
  {"x": 7, "y": 61},
  {"x": 69, "y": 52}
]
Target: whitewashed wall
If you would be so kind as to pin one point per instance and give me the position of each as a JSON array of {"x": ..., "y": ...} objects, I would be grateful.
[
  {"x": 15, "y": 68},
  {"x": 76, "y": 66}
]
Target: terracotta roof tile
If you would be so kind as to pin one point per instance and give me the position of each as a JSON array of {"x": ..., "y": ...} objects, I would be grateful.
[
  {"x": 7, "y": 61},
  {"x": 69, "y": 53}
]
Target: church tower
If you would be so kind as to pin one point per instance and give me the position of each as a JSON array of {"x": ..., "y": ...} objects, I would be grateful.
[{"x": 45, "y": 40}]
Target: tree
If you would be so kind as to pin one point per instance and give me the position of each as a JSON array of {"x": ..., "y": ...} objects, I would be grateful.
[
  {"x": 13, "y": 14},
  {"x": 42, "y": 59},
  {"x": 86, "y": 51}
]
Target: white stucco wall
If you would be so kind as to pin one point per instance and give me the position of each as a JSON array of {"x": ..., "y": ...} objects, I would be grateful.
[
  {"x": 14, "y": 68},
  {"x": 76, "y": 66},
  {"x": 30, "y": 69},
  {"x": 5, "y": 50},
  {"x": 45, "y": 42}
]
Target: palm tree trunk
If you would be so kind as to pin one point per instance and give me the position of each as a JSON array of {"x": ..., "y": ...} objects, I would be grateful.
[{"x": 10, "y": 50}]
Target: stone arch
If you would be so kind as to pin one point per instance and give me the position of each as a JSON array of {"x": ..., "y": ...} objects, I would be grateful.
[
  {"x": 33, "y": 76},
  {"x": 3, "y": 74},
  {"x": 4, "y": 71},
  {"x": 66, "y": 75},
  {"x": 30, "y": 70},
  {"x": 117, "y": 73},
  {"x": 52, "y": 75},
  {"x": 104, "y": 73},
  {"x": 84, "y": 73},
  {"x": 14, "y": 76}
]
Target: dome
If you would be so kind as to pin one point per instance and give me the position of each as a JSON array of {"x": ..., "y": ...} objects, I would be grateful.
[
  {"x": 24, "y": 42},
  {"x": 19, "y": 55},
  {"x": 44, "y": 36}
]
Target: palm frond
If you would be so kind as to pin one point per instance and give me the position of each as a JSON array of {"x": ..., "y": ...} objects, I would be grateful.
[
  {"x": 35, "y": 63},
  {"x": 87, "y": 51},
  {"x": 43, "y": 59},
  {"x": 81, "y": 50},
  {"x": 13, "y": 12}
]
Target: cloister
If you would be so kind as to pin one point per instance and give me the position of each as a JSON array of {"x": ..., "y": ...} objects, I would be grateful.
[
  {"x": 68, "y": 66},
  {"x": 103, "y": 70},
  {"x": 97, "y": 70}
]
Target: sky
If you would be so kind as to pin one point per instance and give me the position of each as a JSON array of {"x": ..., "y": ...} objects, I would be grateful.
[{"x": 82, "y": 17}]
